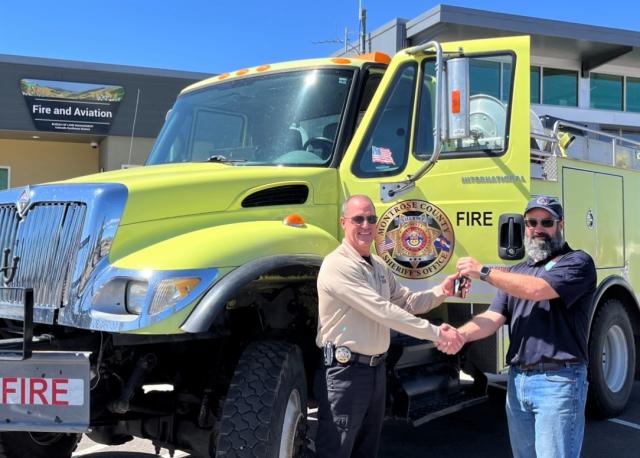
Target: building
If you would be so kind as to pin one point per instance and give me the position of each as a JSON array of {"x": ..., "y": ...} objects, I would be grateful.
[
  {"x": 580, "y": 73},
  {"x": 61, "y": 119}
]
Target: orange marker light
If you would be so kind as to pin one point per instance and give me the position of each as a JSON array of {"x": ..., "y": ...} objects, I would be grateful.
[
  {"x": 244, "y": 71},
  {"x": 263, "y": 68},
  {"x": 293, "y": 220},
  {"x": 455, "y": 101},
  {"x": 223, "y": 76},
  {"x": 378, "y": 57},
  {"x": 340, "y": 60}
]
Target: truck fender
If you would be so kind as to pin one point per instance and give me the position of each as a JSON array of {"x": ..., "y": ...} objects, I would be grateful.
[
  {"x": 614, "y": 281},
  {"x": 205, "y": 313},
  {"x": 229, "y": 246}
]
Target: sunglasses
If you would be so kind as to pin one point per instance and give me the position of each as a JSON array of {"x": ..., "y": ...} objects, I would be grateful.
[
  {"x": 360, "y": 219},
  {"x": 533, "y": 222}
]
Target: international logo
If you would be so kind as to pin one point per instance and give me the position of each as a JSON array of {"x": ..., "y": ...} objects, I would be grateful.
[
  {"x": 415, "y": 238},
  {"x": 23, "y": 203}
]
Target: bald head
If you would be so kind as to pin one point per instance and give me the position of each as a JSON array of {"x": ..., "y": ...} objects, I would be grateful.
[{"x": 357, "y": 200}]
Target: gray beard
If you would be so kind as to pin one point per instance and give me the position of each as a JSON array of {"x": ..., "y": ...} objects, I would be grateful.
[{"x": 541, "y": 248}]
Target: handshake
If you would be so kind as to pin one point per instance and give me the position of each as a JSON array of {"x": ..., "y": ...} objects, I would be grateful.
[{"x": 451, "y": 340}]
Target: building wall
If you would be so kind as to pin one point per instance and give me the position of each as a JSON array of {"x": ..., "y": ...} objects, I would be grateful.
[
  {"x": 33, "y": 162},
  {"x": 54, "y": 156},
  {"x": 153, "y": 95},
  {"x": 118, "y": 151}
]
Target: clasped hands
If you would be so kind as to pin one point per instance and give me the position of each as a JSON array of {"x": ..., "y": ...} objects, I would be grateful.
[{"x": 451, "y": 340}]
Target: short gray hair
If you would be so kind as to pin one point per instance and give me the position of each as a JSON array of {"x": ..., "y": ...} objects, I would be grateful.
[{"x": 346, "y": 203}]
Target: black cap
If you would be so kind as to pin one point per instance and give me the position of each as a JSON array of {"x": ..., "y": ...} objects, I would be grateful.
[{"x": 548, "y": 203}]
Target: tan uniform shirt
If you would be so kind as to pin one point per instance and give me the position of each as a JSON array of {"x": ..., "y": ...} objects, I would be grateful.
[{"x": 358, "y": 304}]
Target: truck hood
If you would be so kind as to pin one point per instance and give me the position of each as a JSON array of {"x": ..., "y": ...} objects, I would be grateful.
[{"x": 173, "y": 190}]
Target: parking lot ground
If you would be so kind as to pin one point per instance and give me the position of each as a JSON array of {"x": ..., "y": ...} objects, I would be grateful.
[
  {"x": 476, "y": 432},
  {"x": 481, "y": 431}
]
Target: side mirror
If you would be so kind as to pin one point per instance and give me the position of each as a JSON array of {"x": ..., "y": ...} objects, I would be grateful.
[
  {"x": 511, "y": 237},
  {"x": 457, "y": 98}
]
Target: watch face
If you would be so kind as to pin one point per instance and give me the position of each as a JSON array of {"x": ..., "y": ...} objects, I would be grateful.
[{"x": 484, "y": 271}]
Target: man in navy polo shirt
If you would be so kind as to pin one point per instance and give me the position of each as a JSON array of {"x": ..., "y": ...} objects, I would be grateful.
[{"x": 545, "y": 301}]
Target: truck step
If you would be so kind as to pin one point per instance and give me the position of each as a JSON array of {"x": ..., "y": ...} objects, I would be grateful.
[{"x": 429, "y": 407}]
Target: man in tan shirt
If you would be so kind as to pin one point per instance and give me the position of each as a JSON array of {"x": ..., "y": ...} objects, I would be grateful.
[{"x": 359, "y": 302}]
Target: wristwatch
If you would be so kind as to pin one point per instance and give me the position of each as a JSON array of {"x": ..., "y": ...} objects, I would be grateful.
[{"x": 484, "y": 273}]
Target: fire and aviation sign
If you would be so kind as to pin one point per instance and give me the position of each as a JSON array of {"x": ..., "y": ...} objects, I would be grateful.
[{"x": 63, "y": 106}]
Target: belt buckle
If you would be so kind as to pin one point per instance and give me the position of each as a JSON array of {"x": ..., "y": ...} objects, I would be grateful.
[
  {"x": 342, "y": 355},
  {"x": 376, "y": 359}
]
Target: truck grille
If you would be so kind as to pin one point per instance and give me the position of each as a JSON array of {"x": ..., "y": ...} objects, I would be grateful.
[{"x": 46, "y": 240}]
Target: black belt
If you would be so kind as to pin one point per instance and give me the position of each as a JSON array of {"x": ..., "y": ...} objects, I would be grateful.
[
  {"x": 369, "y": 360},
  {"x": 548, "y": 365},
  {"x": 357, "y": 358}
]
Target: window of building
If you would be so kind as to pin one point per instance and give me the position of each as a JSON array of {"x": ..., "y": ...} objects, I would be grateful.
[
  {"x": 606, "y": 91},
  {"x": 490, "y": 78},
  {"x": 633, "y": 94},
  {"x": 535, "y": 84},
  {"x": 4, "y": 177},
  {"x": 560, "y": 87}
]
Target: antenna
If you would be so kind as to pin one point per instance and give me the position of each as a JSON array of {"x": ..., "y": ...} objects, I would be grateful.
[
  {"x": 133, "y": 127},
  {"x": 362, "y": 13},
  {"x": 360, "y": 46}
]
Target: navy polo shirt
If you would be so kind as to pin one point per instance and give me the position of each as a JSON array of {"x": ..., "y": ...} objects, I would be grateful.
[{"x": 555, "y": 329}]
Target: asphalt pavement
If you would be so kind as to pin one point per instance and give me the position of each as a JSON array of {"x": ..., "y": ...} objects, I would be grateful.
[{"x": 476, "y": 432}]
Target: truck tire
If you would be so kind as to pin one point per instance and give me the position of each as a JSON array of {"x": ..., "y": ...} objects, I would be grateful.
[
  {"x": 265, "y": 411},
  {"x": 37, "y": 445},
  {"x": 612, "y": 359}
]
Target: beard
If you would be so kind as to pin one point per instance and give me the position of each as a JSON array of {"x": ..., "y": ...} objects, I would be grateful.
[{"x": 542, "y": 246}]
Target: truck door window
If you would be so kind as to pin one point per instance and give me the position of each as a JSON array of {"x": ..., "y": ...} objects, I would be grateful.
[
  {"x": 385, "y": 148},
  {"x": 490, "y": 81},
  {"x": 372, "y": 81}
]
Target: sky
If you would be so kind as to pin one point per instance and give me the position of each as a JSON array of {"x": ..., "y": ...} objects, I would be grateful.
[{"x": 218, "y": 36}]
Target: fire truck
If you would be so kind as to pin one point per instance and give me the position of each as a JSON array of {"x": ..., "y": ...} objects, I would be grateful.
[{"x": 177, "y": 301}]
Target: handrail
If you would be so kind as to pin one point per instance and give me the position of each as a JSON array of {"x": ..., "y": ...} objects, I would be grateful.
[{"x": 615, "y": 139}]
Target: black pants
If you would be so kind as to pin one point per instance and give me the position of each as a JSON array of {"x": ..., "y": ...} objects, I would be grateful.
[{"x": 351, "y": 404}]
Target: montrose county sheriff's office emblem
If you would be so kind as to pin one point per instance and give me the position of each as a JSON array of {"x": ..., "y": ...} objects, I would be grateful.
[{"x": 415, "y": 238}]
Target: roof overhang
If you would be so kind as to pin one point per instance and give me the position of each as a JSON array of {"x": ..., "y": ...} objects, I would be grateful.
[{"x": 592, "y": 45}]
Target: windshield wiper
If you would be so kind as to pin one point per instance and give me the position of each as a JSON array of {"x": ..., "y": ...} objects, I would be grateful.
[{"x": 223, "y": 159}]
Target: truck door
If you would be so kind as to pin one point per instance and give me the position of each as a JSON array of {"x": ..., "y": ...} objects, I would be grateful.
[{"x": 454, "y": 209}]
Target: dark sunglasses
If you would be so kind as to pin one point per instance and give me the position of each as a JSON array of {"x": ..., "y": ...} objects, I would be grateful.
[
  {"x": 360, "y": 219},
  {"x": 533, "y": 222}
]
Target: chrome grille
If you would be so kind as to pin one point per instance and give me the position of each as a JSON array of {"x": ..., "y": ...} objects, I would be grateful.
[{"x": 46, "y": 240}]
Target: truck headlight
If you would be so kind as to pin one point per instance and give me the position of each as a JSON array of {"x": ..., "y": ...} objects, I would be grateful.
[
  {"x": 135, "y": 296},
  {"x": 170, "y": 291}
]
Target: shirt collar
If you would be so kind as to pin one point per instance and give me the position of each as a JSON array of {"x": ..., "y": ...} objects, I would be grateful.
[{"x": 351, "y": 252}]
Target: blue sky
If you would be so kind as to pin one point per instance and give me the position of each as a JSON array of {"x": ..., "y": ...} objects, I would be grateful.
[{"x": 216, "y": 36}]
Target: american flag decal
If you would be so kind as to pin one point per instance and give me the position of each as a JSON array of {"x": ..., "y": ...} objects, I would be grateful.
[
  {"x": 386, "y": 245},
  {"x": 441, "y": 243},
  {"x": 381, "y": 155}
]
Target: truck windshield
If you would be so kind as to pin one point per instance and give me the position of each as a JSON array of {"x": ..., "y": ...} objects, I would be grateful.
[{"x": 287, "y": 118}]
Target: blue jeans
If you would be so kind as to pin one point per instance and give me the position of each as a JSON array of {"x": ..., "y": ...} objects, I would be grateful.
[{"x": 545, "y": 412}]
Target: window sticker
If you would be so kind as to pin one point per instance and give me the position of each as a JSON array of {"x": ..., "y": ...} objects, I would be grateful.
[{"x": 381, "y": 155}]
